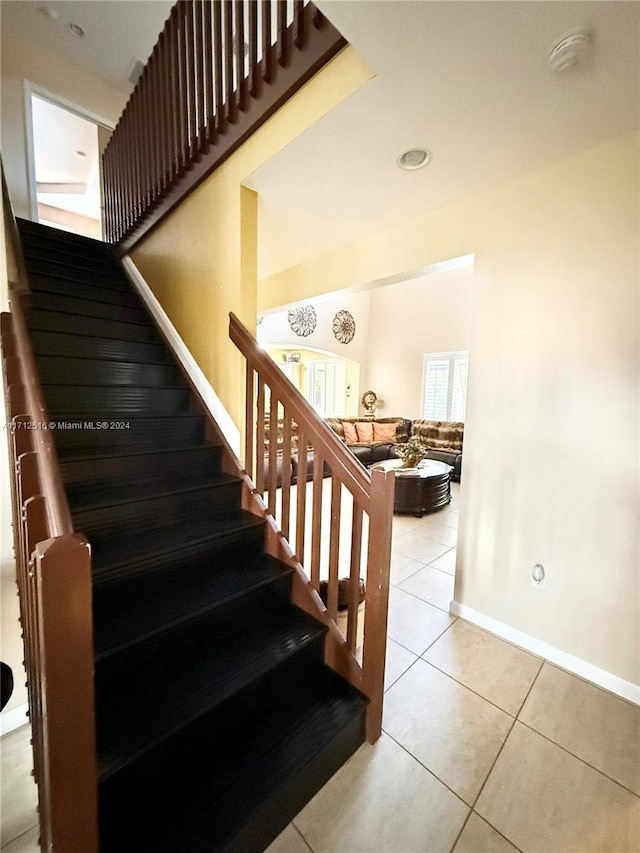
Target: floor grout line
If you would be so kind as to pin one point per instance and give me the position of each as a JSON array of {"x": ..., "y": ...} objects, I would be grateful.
[
  {"x": 577, "y": 757},
  {"x": 302, "y": 836},
  {"x": 466, "y": 687},
  {"x": 18, "y": 837}
]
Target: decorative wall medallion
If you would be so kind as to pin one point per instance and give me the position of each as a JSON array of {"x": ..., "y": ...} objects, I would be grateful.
[
  {"x": 302, "y": 320},
  {"x": 344, "y": 327}
]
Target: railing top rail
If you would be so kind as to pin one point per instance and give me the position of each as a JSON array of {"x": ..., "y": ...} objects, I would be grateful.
[
  {"x": 58, "y": 515},
  {"x": 343, "y": 464}
]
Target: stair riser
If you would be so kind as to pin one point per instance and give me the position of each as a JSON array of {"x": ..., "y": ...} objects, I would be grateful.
[
  {"x": 78, "y": 346},
  {"x": 90, "y": 401},
  {"x": 127, "y": 519},
  {"x": 211, "y": 553},
  {"x": 87, "y": 308},
  {"x": 75, "y": 371},
  {"x": 52, "y": 321},
  {"x": 47, "y": 250},
  {"x": 151, "y": 468},
  {"x": 57, "y": 282},
  {"x": 151, "y": 433},
  {"x": 29, "y": 228},
  {"x": 71, "y": 273},
  {"x": 41, "y": 285}
]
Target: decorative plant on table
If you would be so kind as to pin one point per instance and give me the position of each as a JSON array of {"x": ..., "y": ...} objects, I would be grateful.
[{"x": 411, "y": 453}]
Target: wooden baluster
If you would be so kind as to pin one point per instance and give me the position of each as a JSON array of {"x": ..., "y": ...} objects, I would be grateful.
[
  {"x": 138, "y": 116},
  {"x": 165, "y": 119},
  {"x": 241, "y": 83},
  {"x": 208, "y": 79},
  {"x": 255, "y": 80},
  {"x": 260, "y": 439},
  {"x": 354, "y": 576},
  {"x": 232, "y": 106},
  {"x": 299, "y": 24},
  {"x": 267, "y": 49},
  {"x": 318, "y": 19},
  {"x": 273, "y": 452},
  {"x": 183, "y": 91},
  {"x": 301, "y": 495},
  {"x": 159, "y": 124},
  {"x": 283, "y": 40},
  {"x": 334, "y": 547},
  {"x": 286, "y": 476},
  {"x": 249, "y": 422},
  {"x": 192, "y": 107},
  {"x": 316, "y": 541},
  {"x": 174, "y": 98},
  {"x": 221, "y": 116},
  {"x": 198, "y": 28},
  {"x": 152, "y": 133}
]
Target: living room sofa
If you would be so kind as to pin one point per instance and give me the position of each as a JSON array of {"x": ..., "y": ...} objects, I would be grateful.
[{"x": 372, "y": 440}]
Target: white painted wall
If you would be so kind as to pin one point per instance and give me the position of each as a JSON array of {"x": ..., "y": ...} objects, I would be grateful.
[{"x": 407, "y": 320}]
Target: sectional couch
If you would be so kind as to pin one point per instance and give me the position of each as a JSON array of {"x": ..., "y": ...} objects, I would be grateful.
[{"x": 374, "y": 439}]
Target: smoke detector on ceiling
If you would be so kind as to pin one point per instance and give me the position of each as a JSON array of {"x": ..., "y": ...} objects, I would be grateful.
[{"x": 569, "y": 50}]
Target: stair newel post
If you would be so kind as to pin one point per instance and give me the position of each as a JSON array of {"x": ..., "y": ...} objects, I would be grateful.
[
  {"x": 68, "y": 788},
  {"x": 375, "y": 625}
]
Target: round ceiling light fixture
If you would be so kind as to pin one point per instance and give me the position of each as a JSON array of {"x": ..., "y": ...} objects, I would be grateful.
[
  {"x": 76, "y": 30},
  {"x": 48, "y": 11},
  {"x": 569, "y": 50},
  {"x": 413, "y": 158},
  {"x": 81, "y": 153}
]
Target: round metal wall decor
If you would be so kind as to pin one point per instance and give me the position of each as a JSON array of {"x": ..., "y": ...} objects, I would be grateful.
[
  {"x": 302, "y": 320},
  {"x": 344, "y": 327}
]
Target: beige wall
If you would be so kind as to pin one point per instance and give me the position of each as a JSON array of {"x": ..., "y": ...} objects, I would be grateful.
[
  {"x": 22, "y": 61},
  {"x": 201, "y": 262},
  {"x": 551, "y": 442},
  {"x": 78, "y": 224},
  {"x": 406, "y": 321}
]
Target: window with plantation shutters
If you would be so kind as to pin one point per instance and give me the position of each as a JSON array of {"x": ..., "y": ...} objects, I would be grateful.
[
  {"x": 327, "y": 386},
  {"x": 445, "y": 386}
]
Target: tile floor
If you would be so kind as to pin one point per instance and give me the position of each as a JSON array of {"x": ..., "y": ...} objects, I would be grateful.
[{"x": 485, "y": 748}]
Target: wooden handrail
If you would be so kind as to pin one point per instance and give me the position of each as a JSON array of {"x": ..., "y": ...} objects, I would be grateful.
[
  {"x": 59, "y": 517},
  {"x": 199, "y": 98},
  {"x": 54, "y": 579},
  {"x": 370, "y": 495}
]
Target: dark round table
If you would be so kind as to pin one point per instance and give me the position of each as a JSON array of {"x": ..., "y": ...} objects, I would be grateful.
[{"x": 423, "y": 489}]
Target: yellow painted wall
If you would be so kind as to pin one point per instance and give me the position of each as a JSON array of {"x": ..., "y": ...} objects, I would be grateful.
[
  {"x": 201, "y": 262},
  {"x": 550, "y": 470}
]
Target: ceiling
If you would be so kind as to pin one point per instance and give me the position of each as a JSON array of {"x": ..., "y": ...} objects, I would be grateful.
[
  {"x": 116, "y": 32},
  {"x": 468, "y": 81}
]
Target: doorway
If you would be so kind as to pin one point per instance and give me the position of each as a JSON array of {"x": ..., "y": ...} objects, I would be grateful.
[{"x": 65, "y": 175}]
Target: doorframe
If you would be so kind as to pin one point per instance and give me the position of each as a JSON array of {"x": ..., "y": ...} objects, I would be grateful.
[{"x": 40, "y": 92}]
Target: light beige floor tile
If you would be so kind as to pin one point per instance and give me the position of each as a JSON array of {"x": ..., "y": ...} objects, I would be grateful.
[
  {"x": 453, "y": 732},
  {"x": 18, "y": 792},
  {"x": 496, "y": 670},
  {"x": 478, "y": 837},
  {"x": 403, "y": 567},
  {"x": 447, "y": 562},
  {"x": 403, "y": 523},
  {"x": 398, "y": 661},
  {"x": 545, "y": 800},
  {"x": 594, "y": 725},
  {"x": 442, "y": 533},
  {"x": 381, "y": 801},
  {"x": 431, "y": 585},
  {"x": 447, "y": 517},
  {"x": 414, "y": 623},
  {"x": 28, "y": 843},
  {"x": 289, "y": 841},
  {"x": 418, "y": 544}
]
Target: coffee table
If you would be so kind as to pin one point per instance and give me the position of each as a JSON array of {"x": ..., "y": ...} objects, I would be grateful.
[{"x": 422, "y": 489}]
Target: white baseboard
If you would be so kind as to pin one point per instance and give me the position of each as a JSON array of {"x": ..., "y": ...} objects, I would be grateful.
[
  {"x": 13, "y": 719},
  {"x": 211, "y": 399},
  {"x": 600, "y": 677}
]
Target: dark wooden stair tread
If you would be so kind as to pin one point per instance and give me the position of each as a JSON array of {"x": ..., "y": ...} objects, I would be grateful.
[
  {"x": 147, "y": 703},
  {"x": 125, "y": 615},
  {"x": 112, "y": 551},
  {"x": 256, "y": 772},
  {"x": 92, "y": 496}
]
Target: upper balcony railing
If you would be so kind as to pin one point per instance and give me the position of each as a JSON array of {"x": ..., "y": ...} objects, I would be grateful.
[{"x": 218, "y": 71}]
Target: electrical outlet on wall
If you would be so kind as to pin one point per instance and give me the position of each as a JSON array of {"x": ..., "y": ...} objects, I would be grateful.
[{"x": 538, "y": 576}]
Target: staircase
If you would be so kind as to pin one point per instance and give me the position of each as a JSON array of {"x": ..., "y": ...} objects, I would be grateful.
[{"x": 216, "y": 718}]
